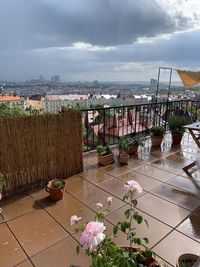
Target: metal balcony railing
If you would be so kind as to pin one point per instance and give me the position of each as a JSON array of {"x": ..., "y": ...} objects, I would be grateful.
[{"x": 106, "y": 125}]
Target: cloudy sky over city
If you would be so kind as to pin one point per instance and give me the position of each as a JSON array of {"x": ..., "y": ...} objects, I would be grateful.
[{"x": 105, "y": 40}]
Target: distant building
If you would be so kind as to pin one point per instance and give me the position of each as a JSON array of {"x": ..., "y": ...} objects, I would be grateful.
[
  {"x": 153, "y": 84},
  {"x": 12, "y": 101},
  {"x": 95, "y": 83},
  {"x": 55, "y": 78}
]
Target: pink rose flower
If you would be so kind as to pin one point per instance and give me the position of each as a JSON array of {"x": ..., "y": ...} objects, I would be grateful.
[
  {"x": 74, "y": 219},
  {"x": 132, "y": 186},
  {"x": 93, "y": 235},
  {"x": 109, "y": 200},
  {"x": 99, "y": 206}
]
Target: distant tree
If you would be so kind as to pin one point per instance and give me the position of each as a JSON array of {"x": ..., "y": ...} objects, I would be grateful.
[{"x": 5, "y": 111}]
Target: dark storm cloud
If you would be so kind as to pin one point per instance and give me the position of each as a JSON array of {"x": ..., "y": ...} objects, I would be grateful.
[{"x": 47, "y": 23}]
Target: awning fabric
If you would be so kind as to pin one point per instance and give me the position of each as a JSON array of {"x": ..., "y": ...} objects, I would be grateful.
[{"x": 189, "y": 78}]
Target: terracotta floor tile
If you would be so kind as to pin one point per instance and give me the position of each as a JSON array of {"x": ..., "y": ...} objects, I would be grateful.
[
  {"x": 182, "y": 155},
  {"x": 155, "y": 232},
  {"x": 11, "y": 252},
  {"x": 96, "y": 176},
  {"x": 36, "y": 231},
  {"x": 75, "y": 184},
  {"x": 1, "y": 219},
  {"x": 191, "y": 226},
  {"x": 63, "y": 210},
  {"x": 177, "y": 196},
  {"x": 62, "y": 254},
  {"x": 145, "y": 182},
  {"x": 134, "y": 163},
  {"x": 156, "y": 173},
  {"x": 145, "y": 158},
  {"x": 95, "y": 195},
  {"x": 162, "y": 209},
  {"x": 17, "y": 206},
  {"x": 169, "y": 165},
  {"x": 115, "y": 169},
  {"x": 174, "y": 245},
  {"x": 188, "y": 184},
  {"x": 26, "y": 263}
]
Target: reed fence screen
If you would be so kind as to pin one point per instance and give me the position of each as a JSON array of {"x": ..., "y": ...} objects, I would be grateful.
[{"x": 35, "y": 149}]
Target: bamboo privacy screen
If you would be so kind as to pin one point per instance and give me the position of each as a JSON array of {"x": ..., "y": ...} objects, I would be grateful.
[{"x": 35, "y": 149}]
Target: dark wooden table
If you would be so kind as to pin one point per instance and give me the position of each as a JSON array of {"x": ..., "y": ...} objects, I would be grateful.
[{"x": 194, "y": 130}]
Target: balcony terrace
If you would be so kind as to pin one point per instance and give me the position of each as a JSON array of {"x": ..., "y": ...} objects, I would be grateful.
[{"x": 36, "y": 231}]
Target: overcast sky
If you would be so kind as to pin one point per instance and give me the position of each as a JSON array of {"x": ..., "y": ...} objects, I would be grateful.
[{"x": 105, "y": 40}]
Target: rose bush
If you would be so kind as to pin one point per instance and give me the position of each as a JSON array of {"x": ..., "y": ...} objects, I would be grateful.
[{"x": 101, "y": 247}]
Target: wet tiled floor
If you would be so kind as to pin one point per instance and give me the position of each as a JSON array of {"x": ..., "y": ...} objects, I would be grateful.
[{"x": 34, "y": 231}]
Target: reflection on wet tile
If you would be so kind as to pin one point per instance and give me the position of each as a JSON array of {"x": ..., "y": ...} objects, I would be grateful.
[
  {"x": 191, "y": 226},
  {"x": 174, "y": 245},
  {"x": 39, "y": 231},
  {"x": 156, "y": 173},
  {"x": 154, "y": 232},
  {"x": 185, "y": 155},
  {"x": 186, "y": 183},
  {"x": 11, "y": 252},
  {"x": 17, "y": 206},
  {"x": 169, "y": 165},
  {"x": 177, "y": 196},
  {"x": 162, "y": 209},
  {"x": 115, "y": 169},
  {"x": 75, "y": 184},
  {"x": 62, "y": 254},
  {"x": 96, "y": 176},
  {"x": 95, "y": 195},
  {"x": 146, "y": 182}
]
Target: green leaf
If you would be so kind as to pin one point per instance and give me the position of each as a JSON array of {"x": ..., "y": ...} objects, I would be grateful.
[
  {"x": 146, "y": 240},
  {"x": 147, "y": 224},
  {"x": 134, "y": 201},
  {"x": 115, "y": 230},
  {"x": 137, "y": 241},
  {"x": 127, "y": 213}
]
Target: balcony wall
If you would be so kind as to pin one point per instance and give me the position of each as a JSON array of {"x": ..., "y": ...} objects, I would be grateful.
[{"x": 35, "y": 149}]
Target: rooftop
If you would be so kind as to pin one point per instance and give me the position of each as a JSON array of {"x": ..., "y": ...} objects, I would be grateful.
[{"x": 36, "y": 231}]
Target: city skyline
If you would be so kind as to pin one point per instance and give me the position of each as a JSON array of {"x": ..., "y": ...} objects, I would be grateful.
[{"x": 103, "y": 40}]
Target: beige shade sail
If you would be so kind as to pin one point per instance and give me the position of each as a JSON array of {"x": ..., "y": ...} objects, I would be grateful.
[{"x": 189, "y": 78}]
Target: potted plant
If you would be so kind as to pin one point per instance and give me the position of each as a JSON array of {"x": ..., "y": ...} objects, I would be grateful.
[
  {"x": 102, "y": 248},
  {"x": 105, "y": 155},
  {"x": 157, "y": 134},
  {"x": 187, "y": 260},
  {"x": 123, "y": 150},
  {"x": 133, "y": 143},
  {"x": 55, "y": 188},
  {"x": 176, "y": 124}
]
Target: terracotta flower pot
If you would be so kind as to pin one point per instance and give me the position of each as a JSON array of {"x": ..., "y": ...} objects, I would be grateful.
[
  {"x": 156, "y": 140},
  {"x": 123, "y": 159},
  {"x": 177, "y": 138},
  {"x": 132, "y": 149},
  {"x": 105, "y": 159},
  {"x": 55, "y": 193},
  {"x": 187, "y": 258}
]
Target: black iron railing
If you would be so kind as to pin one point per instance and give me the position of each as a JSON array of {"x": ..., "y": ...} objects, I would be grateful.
[{"x": 107, "y": 125}]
